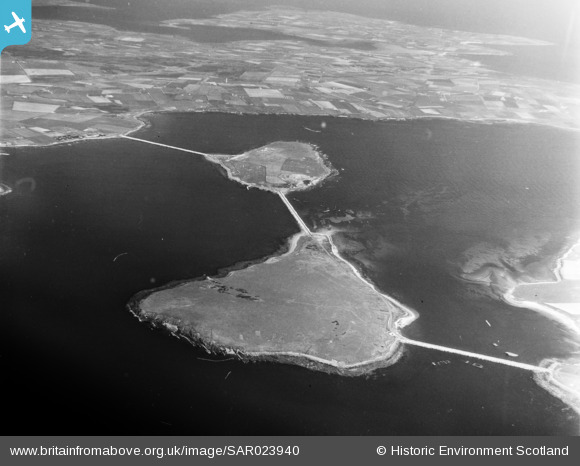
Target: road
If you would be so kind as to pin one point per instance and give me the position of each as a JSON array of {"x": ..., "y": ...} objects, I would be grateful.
[{"x": 469, "y": 354}]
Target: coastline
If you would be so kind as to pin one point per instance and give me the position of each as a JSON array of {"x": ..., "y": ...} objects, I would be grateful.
[
  {"x": 548, "y": 380},
  {"x": 306, "y": 361},
  {"x": 504, "y": 286},
  {"x": 142, "y": 123},
  {"x": 566, "y": 318},
  {"x": 557, "y": 315}
]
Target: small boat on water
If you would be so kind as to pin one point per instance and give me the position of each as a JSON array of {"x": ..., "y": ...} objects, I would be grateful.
[{"x": 5, "y": 189}]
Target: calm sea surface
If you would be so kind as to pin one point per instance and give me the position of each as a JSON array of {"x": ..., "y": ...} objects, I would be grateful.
[{"x": 76, "y": 361}]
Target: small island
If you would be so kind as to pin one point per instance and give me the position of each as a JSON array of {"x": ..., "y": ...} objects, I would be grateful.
[
  {"x": 306, "y": 305},
  {"x": 280, "y": 167}
]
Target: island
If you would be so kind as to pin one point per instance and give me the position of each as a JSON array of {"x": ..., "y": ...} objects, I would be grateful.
[
  {"x": 279, "y": 166},
  {"x": 306, "y": 305}
]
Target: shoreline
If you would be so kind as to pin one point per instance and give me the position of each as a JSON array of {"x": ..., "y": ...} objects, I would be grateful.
[
  {"x": 560, "y": 315},
  {"x": 304, "y": 360},
  {"x": 503, "y": 289},
  {"x": 548, "y": 381},
  {"x": 142, "y": 123},
  {"x": 282, "y": 357}
]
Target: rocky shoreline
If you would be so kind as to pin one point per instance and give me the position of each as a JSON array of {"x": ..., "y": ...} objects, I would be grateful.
[{"x": 213, "y": 349}]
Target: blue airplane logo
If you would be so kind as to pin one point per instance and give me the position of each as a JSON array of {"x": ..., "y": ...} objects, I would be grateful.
[
  {"x": 16, "y": 17},
  {"x": 17, "y": 22}
]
